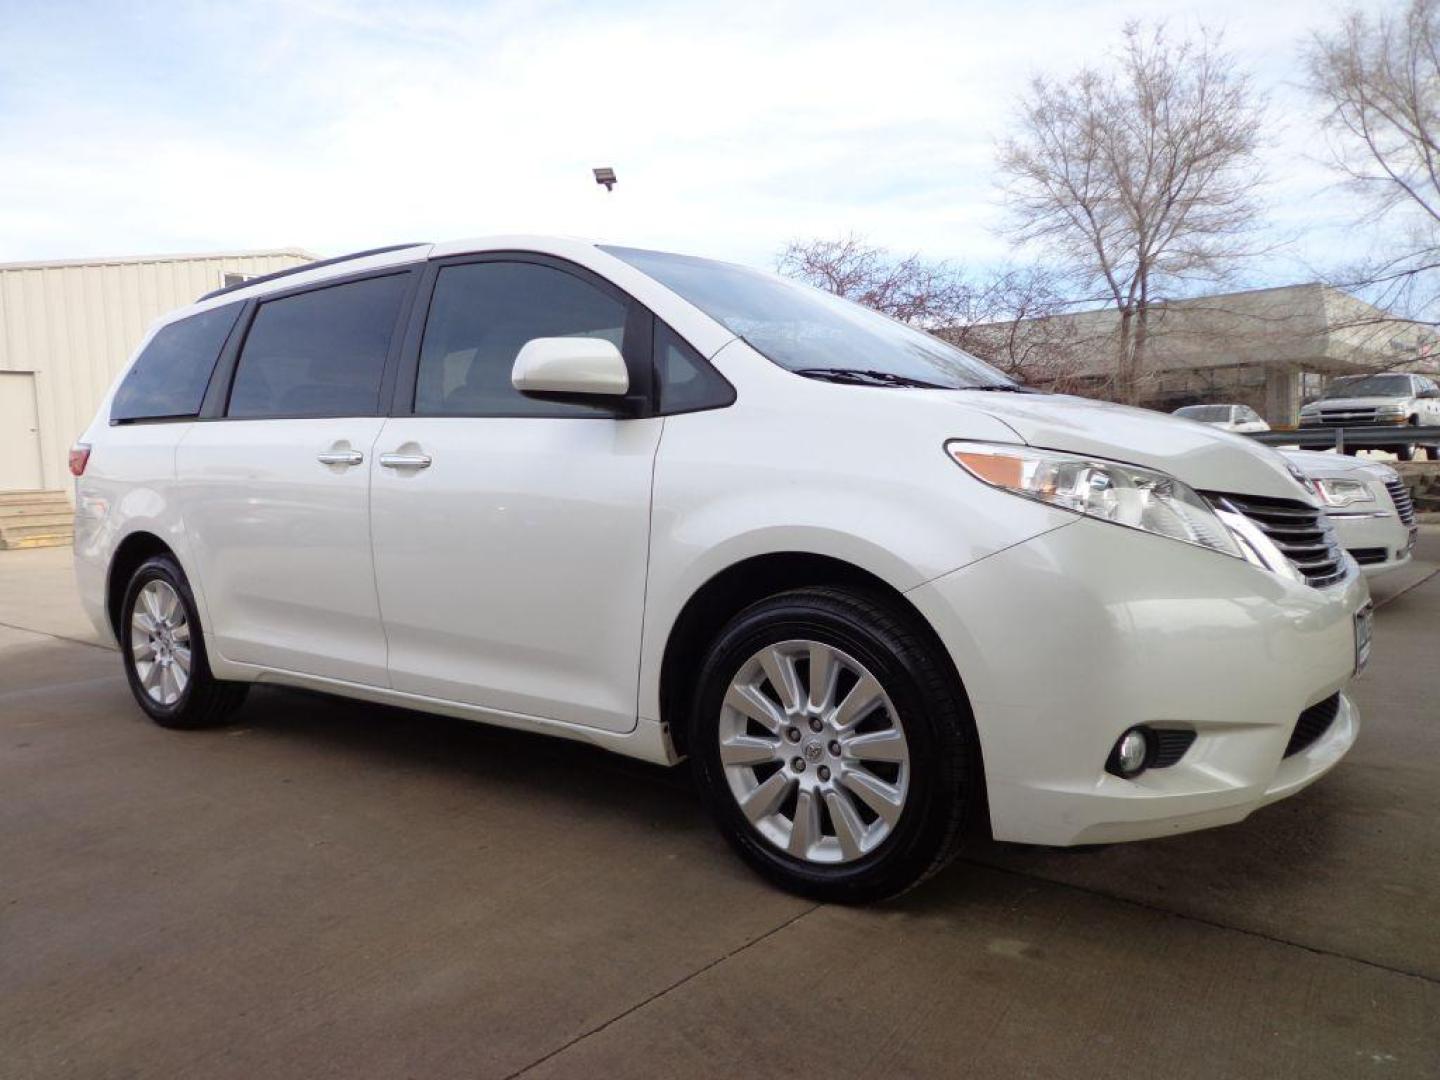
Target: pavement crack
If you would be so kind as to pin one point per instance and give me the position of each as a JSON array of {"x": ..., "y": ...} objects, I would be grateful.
[
  {"x": 663, "y": 991},
  {"x": 1408, "y": 588},
  {"x": 57, "y": 637},
  {"x": 1201, "y": 919}
]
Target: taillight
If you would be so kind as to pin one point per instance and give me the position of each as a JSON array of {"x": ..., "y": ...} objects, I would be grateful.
[{"x": 79, "y": 458}]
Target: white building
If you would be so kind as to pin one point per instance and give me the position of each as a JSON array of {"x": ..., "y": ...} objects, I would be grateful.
[{"x": 67, "y": 327}]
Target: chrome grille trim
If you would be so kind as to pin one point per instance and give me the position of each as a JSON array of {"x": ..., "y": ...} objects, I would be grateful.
[
  {"x": 1339, "y": 417},
  {"x": 1400, "y": 496},
  {"x": 1303, "y": 533}
]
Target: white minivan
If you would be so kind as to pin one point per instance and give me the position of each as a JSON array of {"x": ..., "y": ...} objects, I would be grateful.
[{"x": 875, "y": 591}]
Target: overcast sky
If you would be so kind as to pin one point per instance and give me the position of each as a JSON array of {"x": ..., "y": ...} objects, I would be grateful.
[{"x": 129, "y": 128}]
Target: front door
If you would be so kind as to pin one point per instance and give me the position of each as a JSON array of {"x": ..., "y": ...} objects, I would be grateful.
[
  {"x": 275, "y": 495},
  {"x": 512, "y": 535},
  {"x": 19, "y": 433}
]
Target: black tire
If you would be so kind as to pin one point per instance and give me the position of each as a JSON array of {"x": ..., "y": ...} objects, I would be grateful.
[
  {"x": 1407, "y": 452},
  {"x": 205, "y": 701},
  {"x": 946, "y": 787}
]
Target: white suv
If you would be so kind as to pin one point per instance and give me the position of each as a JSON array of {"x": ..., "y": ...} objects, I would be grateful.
[
  {"x": 1382, "y": 401},
  {"x": 871, "y": 588}
]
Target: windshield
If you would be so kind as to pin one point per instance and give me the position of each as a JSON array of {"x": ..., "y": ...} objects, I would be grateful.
[
  {"x": 1369, "y": 386},
  {"x": 806, "y": 330},
  {"x": 1208, "y": 414}
]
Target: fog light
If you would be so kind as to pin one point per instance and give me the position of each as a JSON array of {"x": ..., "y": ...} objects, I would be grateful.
[{"x": 1131, "y": 753}]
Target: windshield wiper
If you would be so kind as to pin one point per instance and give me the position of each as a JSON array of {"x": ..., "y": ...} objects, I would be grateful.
[
  {"x": 865, "y": 377},
  {"x": 1005, "y": 388}
]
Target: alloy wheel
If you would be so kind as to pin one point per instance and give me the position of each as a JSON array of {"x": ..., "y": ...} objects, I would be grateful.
[
  {"x": 160, "y": 642},
  {"x": 814, "y": 752}
]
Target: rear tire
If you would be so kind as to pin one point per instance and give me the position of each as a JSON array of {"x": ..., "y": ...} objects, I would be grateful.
[
  {"x": 163, "y": 650},
  {"x": 825, "y": 797}
]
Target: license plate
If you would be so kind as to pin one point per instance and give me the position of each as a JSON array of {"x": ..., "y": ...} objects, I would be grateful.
[{"x": 1363, "y": 621}]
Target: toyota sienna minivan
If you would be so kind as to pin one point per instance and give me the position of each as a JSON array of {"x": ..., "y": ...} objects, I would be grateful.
[{"x": 876, "y": 592}]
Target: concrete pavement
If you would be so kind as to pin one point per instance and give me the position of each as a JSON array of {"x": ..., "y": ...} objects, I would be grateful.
[{"x": 337, "y": 889}]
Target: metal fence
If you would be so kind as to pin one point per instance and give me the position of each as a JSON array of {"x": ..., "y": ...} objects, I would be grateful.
[{"x": 1427, "y": 439}]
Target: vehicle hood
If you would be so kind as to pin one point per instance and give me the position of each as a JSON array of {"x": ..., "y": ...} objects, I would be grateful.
[
  {"x": 1203, "y": 456},
  {"x": 1353, "y": 403}
]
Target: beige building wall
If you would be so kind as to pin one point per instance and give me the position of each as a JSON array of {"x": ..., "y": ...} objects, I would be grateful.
[
  {"x": 67, "y": 328},
  {"x": 1255, "y": 347}
]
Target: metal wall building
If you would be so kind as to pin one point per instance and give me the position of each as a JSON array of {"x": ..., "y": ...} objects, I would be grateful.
[{"x": 66, "y": 329}]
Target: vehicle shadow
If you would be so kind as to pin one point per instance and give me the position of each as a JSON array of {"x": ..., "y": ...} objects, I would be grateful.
[{"x": 447, "y": 749}]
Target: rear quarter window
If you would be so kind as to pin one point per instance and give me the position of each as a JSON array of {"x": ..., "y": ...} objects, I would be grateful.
[{"x": 169, "y": 377}]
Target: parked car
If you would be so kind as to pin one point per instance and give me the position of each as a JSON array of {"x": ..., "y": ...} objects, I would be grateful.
[
  {"x": 872, "y": 588},
  {"x": 1241, "y": 418},
  {"x": 1368, "y": 505},
  {"x": 1379, "y": 400}
]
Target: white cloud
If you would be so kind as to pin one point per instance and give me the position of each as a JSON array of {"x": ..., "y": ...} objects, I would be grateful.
[{"x": 733, "y": 127}]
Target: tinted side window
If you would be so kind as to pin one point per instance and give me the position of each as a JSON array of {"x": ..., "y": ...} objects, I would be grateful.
[
  {"x": 480, "y": 316},
  {"x": 318, "y": 353},
  {"x": 685, "y": 380},
  {"x": 169, "y": 378}
]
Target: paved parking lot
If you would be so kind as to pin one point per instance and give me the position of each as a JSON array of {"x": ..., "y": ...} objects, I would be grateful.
[{"x": 335, "y": 889}]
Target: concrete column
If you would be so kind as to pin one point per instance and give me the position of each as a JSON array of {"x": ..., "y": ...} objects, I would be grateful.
[{"x": 1282, "y": 394}]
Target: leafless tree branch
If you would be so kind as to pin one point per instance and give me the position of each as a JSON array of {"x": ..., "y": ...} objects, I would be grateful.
[{"x": 1139, "y": 177}]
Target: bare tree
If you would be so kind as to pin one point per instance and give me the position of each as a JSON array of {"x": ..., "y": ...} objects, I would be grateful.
[
  {"x": 907, "y": 288},
  {"x": 1014, "y": 319},
  {"x": 1007, "y": 318},
  {"x": 1139, "y": 178},
  {"x": 1379, "y": 78}
]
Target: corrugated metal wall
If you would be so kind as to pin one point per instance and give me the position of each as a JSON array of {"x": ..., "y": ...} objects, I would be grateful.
[{"x": 76, "y": 323}]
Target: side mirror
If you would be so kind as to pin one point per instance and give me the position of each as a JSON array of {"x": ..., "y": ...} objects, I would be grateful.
[{"x": 570, "y": 366}]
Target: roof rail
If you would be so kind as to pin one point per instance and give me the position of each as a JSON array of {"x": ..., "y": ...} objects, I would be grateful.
[{"x": 309, "y": 266}]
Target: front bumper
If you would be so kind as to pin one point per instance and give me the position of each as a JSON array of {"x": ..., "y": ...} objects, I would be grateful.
[
  {"x": 1065, "y": 641},
  {"x": 1368, "y": 535}
]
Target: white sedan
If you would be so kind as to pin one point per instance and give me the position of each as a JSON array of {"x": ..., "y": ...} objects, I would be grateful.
[
  {"x": 1367, "y": 503},
  {"x": 1241, "y": 418}
]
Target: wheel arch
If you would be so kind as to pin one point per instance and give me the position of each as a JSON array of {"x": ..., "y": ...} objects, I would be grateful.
[
  {"x": 731, "y": 590},
  {"x": 134, "y": 550}
]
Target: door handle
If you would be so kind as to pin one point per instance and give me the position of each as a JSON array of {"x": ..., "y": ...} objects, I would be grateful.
[
  {"x": 340, "y": 457},
  {"x": 405, "y": 461}
]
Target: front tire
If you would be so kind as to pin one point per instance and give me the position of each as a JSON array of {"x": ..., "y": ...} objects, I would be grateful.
[
  {"x": 164, "y": 651},
  {"x": 1407, "y": 452},
  {"x": 833, "y": 746}
]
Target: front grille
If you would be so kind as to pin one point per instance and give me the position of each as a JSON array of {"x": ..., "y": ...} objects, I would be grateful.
[
  {"x": 1312, "y": 724},
  {"x": 1369, "y": 556},
  {"x": 1340, "y": 417},
  {"x": 1302, "y": 533},
  {"x": 1400, "y": 496}
]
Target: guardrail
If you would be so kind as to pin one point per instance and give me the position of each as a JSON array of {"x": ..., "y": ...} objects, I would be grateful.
[{"x": 1380, "y": 436}]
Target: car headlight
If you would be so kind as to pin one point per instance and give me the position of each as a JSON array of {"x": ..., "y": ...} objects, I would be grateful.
[
  {"x": 1390, "y": 411},
  {"x": 1112, "y": 491},
  {"x": 1336, "y": 492}
]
